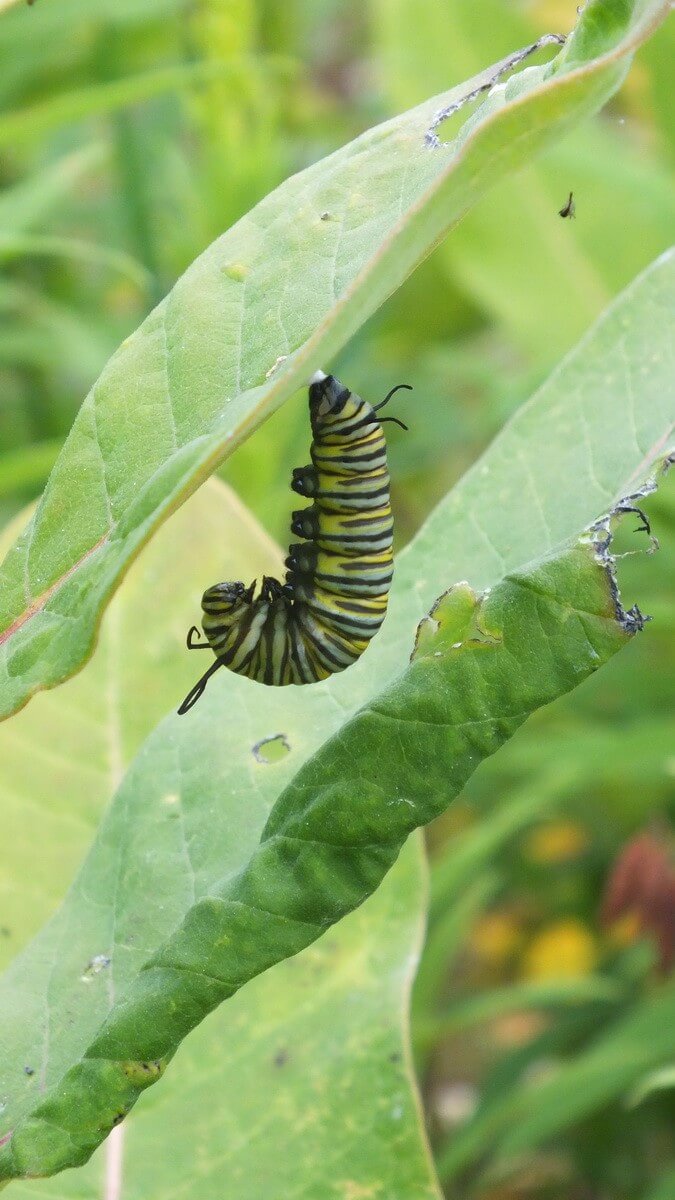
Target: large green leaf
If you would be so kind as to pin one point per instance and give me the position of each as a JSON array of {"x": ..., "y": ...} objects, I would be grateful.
[
  {"x": 548, "y": 474},
  {"x": 548, "y": 279},
  {"x": 296, "y": 277},
  {"x": 117, "y": 1010},
  {"x": 76, "y": 744},
  {"x": 325, "y": 1037}
]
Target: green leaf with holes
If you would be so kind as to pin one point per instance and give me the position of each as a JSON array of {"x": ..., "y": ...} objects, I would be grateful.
[
  {"x": 323, "y": 1039},
  {"x": 272, "y": 299},
  {"x": 186, "y": 913}
]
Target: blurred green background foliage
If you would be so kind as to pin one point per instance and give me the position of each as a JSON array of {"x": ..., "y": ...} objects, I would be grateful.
[{"x": 132, "y": 132}]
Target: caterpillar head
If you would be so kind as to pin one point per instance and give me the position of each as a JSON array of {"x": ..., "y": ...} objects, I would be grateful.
[
  {"x": 223, "y": 605},
  {"x": 327, "y": 398},
  {"x": 227, "y": 600}
]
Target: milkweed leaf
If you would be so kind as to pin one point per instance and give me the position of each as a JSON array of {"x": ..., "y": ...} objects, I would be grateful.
[
  {"x": 272, "y": 299},
  {"x": 324, "y": 1035},
  {"x": 484, "y": 662}
]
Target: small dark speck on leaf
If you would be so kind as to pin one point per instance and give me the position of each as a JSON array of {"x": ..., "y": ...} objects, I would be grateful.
[
  {"x": 569, "y": 209},
  {"x": 4, "y": 931},
  {"x": 29, "y": 1070},
  {"x": 271, "y": 749},
  {"x": 118, "y": 1118},
  {"x": 281, "y": 1057},
  {"x": 395, "y": 1056}
]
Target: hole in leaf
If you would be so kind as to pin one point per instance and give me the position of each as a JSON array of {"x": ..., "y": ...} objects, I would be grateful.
[{"x": 271, "y": 749}]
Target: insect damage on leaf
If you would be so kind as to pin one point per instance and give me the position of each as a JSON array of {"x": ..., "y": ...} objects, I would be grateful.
[
  {"x": 454, "y": 623},
  {"x": 271, "y": 749},
  {"x": 632, "y": 620},
  {"x": 142, "y": 1074},
  {"x": 431, "y": 138},
  {"x": 483, "y": 663}
]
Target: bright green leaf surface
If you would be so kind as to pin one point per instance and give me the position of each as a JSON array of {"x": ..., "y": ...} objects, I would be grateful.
[
  {"x": 323, "y": 1039},
  {"x": 28, "y": 466},
  {"x": 484, "y": 529},
  {"x": 480, "y": 668},
  {"x": 295, "y": 278},
  {"x": 78, "y": 742}
]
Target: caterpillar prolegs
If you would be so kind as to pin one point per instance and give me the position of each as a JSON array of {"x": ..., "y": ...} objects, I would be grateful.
[{"x": 334, "y": 597}]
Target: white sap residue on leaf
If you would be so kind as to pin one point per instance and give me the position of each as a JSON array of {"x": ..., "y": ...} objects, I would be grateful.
[
  {"x": 277, "y": 363},
  {"x": 94, "y": 967}
]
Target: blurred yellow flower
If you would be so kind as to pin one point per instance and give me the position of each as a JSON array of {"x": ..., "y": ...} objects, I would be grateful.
[
  {"x": 496, "y": 936},
  {"x": 563, "y": 950},
  {"x": 556, "y": 841}
]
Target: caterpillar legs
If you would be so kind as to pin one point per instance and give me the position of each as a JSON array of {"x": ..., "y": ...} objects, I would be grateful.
[
  {"x": 194, "y": 694},
  {"x": 198, "y": 645}
]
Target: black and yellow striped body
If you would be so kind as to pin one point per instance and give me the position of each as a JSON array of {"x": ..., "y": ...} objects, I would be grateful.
[{"x": 334, "y": 598}]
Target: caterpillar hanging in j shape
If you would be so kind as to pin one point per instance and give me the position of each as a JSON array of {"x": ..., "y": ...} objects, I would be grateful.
[{"x": 334, "y": 598}]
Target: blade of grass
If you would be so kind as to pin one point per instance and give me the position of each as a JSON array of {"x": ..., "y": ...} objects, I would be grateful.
[
  {"x": 81, "y": 104},
  {"x": 547, "y": 994}
]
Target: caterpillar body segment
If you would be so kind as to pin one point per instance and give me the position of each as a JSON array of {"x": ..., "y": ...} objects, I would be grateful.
[{"x": 334, "y": 596}]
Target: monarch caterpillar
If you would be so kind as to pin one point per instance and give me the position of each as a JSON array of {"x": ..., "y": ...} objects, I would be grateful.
[{"x": 334, "y": 598}]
